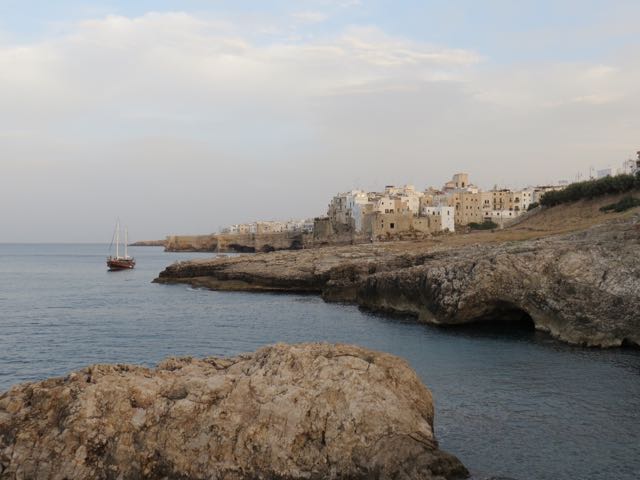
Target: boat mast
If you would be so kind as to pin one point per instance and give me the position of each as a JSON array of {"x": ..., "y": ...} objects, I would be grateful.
[
  {"x": 117, "y": 238},
  {"x": 126, "y": 241}
]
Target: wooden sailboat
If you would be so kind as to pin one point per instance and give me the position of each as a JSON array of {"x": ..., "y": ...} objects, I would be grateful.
[{"x": 121, "y": 262}]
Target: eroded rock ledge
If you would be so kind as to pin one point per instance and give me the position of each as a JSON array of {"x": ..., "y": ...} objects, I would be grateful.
[
  {"x": 308, "y": 411},
  {"x": 583, "y": 287}
]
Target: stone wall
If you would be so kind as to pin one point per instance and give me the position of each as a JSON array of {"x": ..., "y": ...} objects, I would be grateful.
[
  {"x": 328, "y": 232},
  {"x": 387, "y": 226}
]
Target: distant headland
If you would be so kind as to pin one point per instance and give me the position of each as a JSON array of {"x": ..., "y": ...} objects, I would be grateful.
[{"x": 148, "y": 243}]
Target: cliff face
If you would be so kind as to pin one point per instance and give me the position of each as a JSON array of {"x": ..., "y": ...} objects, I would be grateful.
[
  {"x": 294, "y": 412},
  {"x": 148, "y": 243},
  {"x": 249, "y": 242},
  {"x": 583, "y": 287}
]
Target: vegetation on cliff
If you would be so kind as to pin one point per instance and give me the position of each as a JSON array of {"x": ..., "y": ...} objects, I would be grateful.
[
  {"x": 487, "y": 225},
  {"x": 623, "y": 205},
  {"x": 591, "y": 189}
]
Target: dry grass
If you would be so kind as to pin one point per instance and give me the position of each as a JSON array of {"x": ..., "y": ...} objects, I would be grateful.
[
  {"x": 575, "y": 216},
  {"x": 552, "y": 221}
]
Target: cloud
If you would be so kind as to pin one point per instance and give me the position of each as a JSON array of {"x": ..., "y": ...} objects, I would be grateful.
[
  {"x": 555, "y": 85},
  {"x": 209, "y": 119},
  {"x": 175, "y": 65},
  {"x": 309, "y": 17}
]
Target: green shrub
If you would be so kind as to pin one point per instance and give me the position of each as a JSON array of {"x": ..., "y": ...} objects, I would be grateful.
[
  {"x": 532, "y": 206},
  {"x": 591, "y": 189},
  {"x": 489, "y": 225},
  {"x": 625, "y": 204}
]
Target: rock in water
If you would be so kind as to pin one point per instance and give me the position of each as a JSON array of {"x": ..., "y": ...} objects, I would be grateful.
[
  {"x": 311, "y": 411},
  {"x": 581, "y": 287}
]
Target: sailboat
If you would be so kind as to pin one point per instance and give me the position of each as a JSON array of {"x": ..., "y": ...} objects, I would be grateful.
[{"x": 121, "y": 262}]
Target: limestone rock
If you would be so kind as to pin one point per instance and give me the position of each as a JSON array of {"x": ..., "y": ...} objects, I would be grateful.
[
  {"x": 582, "y": 287},
  {"x": 309, "y": 411}
]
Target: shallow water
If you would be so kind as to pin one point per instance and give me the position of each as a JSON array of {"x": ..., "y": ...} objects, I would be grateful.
[{"x": 508, "y": 402}]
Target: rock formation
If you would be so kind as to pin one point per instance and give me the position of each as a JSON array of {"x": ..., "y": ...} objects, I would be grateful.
[
  {"x": 582, "y": 287},
  {"x": 238, "y": 242},
  {"x": 312, "y": 411},
  {"x": 148, "y": 243}
]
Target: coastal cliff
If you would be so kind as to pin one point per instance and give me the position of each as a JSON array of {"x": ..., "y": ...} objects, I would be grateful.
[
  {"x": 581, "y": 287},
  {"x": 148, "y": 243},
  {"x": 286, "y": 411},
  {"x": 243, "y": 243}
]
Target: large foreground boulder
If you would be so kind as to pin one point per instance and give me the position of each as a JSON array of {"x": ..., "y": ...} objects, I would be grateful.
[{"x": 307, "y": 411}]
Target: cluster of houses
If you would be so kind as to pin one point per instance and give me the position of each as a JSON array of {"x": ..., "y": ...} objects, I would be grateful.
[
  {"x": 400, "y": 210},
  {"x": 404, "y": 209},
  {"x": 292, "y": 226}
]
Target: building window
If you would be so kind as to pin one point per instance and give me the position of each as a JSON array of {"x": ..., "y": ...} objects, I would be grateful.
[{"x": 391, "y": 225}]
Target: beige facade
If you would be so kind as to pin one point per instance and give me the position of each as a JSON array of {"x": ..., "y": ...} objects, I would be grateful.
[
  {"x": 468, "y": 208},
  {"x": 401, "y": 209},
  {"x": 513, "y": 201},
  {"x": 381, "y": 226},
  {"x": 478, "y": 207},
  {"x": 461, "y": 180}
]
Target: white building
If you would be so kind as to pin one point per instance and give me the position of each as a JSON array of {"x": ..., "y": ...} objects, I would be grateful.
[
  {"x": 605, "y": 172},
  {"x": 385, "y": 204},
  {"x": 630, "y": 167},
  {"x": 411, "y": 203},
  {"x": 526, "y": 199},
  {"x": 304, "y": 226},
  {"x": 446, "y": 214},
  {"x": 355, "y": 197}
]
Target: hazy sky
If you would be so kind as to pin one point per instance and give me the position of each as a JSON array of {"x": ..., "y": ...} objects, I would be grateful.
[{"x": 182, "y": 116}]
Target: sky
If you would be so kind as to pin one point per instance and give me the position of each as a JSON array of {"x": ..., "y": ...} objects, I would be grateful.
[{"x": 180, "y": 117}]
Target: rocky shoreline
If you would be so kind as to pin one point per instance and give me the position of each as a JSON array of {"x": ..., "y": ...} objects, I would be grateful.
[
  {"x": 582, "y": 287},
  {"x": 307, "y": 411},
  {"x": 238, "y": 242},
  {"x": 148, "y": 243}
]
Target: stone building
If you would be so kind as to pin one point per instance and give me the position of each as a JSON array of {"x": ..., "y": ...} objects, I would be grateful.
[
  {"x": 382, "y": 226},
  {"x": 472, "y": 205},
  {"x": 442, "y": 216}
]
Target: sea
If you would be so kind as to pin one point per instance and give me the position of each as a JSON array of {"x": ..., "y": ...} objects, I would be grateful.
[{"x": 509, "y": 401}]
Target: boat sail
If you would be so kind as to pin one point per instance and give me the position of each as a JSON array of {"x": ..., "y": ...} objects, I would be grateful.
[{"x": 120, "y": 262}]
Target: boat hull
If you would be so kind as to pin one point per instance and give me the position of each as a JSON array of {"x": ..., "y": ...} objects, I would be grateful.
[{"x": 121, "y": 263}]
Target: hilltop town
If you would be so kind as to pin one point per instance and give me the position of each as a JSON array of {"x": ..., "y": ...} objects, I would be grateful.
[
  {"x": 395, "y": 213},
  {"x": 358, "y": 215},
  {"x": 397, "y": 210}
]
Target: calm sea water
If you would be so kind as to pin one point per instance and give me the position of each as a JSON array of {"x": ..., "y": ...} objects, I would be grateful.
[{"x": 512, "y": 403}]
